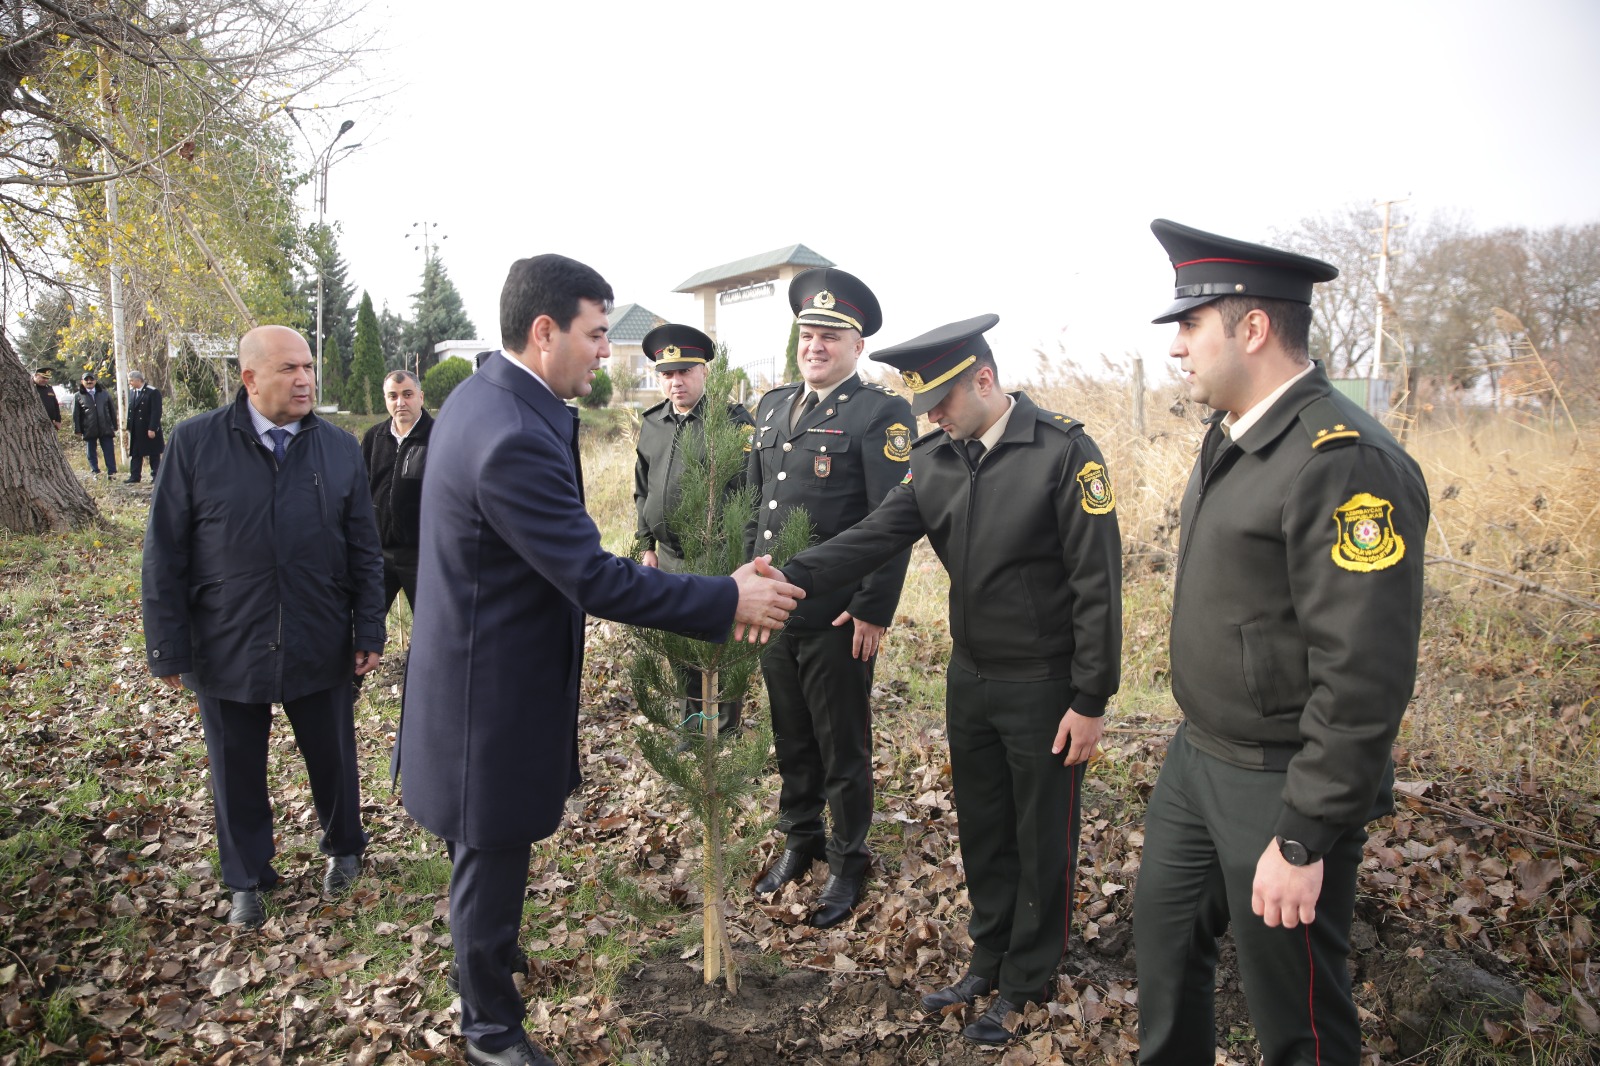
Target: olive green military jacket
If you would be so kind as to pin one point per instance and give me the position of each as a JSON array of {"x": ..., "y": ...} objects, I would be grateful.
[
  {"x": 1031, "y": 542},
  {"x": 838, "y": 463},
  {"x": 658, "y": 464},
  {"x": 1298, "y": 604}
]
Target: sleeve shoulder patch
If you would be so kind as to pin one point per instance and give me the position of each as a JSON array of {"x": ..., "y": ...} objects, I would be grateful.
[{"x": 1327, "y": 425}]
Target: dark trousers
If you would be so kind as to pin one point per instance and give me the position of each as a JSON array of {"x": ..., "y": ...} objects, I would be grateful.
[
  {"x": 822, "y": 730},
  {"x": 399, "y": 573},
  {"x": 236, "y": 742},
  {"x": 1205, "y": 829},
  {"x": 486, "y": 890},
  {"x": 136, "y": 466},
  {"x": 1018, "y": 810},
  {"x": 108, "y": 447}
]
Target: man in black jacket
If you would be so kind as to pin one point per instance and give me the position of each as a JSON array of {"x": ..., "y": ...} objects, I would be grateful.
[
  {"x": 1018, "y": 505},
  {"x": 47, "y": 395},
  {"x": 94, "y": 420},
  {"x": 395, "y": 453},
  {"x": 263, "y": 584},
  {"x": 145, "y": 439},
  {"x": 681, "y": 355},
  {"x": 1296, "y": 612}
]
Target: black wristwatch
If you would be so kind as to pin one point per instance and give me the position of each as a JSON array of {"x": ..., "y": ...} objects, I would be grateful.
[{"x": 1297, "y": 854}]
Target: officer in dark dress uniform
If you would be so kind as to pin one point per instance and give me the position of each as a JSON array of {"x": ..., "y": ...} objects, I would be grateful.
[
  {"x": 681, "y": 355},
  {"x": 1018, "y": 505},
  {"x": 834, "y": 445},
  {"x": 1295, "y": 619},
  {"x": 145, "y": 436}
]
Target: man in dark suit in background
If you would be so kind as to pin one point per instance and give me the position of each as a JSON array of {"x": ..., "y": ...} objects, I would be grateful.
[
  {"x": 47, "y": 395},
  {"x": 144, "y": 427},
  {"x": 509, "y": 564}
]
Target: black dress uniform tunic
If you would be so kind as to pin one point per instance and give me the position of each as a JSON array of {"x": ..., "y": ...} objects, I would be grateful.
[
  {"x": 838, "y": 461},
  {"x": 1295, "y": 622},
  {"x": 1029, "y": 535}
]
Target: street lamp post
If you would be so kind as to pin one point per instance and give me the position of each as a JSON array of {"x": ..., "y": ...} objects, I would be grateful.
[{"x": 322, "y": 207}]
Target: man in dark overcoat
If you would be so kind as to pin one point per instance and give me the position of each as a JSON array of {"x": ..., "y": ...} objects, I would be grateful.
[
  {"x": 1018, "y": 504},
  {"x": 667, "y": 432},
  {"x": 1297, "y": 606},
  {"x": 47, "y": 395},
  {"x": 834, "y": 445},
  {"x": 396, "y": 453},
  {"x": 145, "y": 438},
  {"x": 263, "y": 584},
  {"x": 94, "y": 420},
  {"x": 510, "y": 562}
]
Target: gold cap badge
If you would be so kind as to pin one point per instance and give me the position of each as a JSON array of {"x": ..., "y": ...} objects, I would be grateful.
[{"x": 823, "y": 299}]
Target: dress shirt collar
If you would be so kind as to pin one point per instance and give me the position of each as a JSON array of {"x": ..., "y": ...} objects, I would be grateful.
[
  {"x": 262, "y": 423},
  {"x": 1237, "y": 427},
  {"x": 991, "y": 436}
]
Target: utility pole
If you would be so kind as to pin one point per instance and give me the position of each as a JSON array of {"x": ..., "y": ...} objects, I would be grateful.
[
  {"x": 1383, "y": 280},
  {"x": 322, "y": 210},
  {"x": 119, "y": 331}
]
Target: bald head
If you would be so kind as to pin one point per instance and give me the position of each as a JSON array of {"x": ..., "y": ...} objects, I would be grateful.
[
  {"x": 267, "y": 342},
  {"x": 275, "y": 363}
]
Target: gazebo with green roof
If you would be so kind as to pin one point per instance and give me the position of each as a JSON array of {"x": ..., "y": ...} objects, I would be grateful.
[{"x": 755, "y": 276}]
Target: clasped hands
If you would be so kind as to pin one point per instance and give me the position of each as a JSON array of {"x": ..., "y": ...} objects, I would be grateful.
[{"x": 765, "y": 600}]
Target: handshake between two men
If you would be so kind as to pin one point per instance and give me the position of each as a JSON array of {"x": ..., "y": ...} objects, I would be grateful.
[{"x": 765, "y": 600}]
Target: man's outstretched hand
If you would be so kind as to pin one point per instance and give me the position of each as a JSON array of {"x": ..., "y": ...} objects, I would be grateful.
[{"x": 765, "y": 600}]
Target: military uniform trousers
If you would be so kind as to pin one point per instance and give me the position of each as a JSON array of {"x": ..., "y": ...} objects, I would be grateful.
[
  {"x": 236, "y": 737},
  {"x": 487, "y": 886},
  {"x": 1207, "y": 825},
  {"x": 1018, "y": 810},
  {"x": 727, "y": 710},
  {"x": 821, "y": 698}
]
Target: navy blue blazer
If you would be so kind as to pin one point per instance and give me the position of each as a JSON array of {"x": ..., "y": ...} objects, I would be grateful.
[{"x": 509, "y": 564}]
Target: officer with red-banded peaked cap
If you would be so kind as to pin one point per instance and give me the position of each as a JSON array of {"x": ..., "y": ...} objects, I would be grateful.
[
  {"x": 930, "y": 364},
  {"x": 1210, "y": 267},
  {"x": 671, "y": 346},
  {"x": 827, "y": 296}
]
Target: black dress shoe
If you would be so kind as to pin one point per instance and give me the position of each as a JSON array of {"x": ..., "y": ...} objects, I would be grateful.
[
  {"x": 967, "y": 990},
  {"x": 990, "y": 1028},
  {"x": 792, "y": 865},
  {"x": 247, "y": 910},
  {"x": 519, "y": 964},
  {"x": 342, "y": 873},
  {"x": 523, "y": 1053},
  {"x": 838, "y": 898}
]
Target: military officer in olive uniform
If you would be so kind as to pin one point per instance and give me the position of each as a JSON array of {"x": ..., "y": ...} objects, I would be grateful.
[
  {"x": 1018, "y": 504},
  {"x": 834, "y": 445},
  {"x": 1295, "y": 618},
  {"x": 681, "y": 355}
]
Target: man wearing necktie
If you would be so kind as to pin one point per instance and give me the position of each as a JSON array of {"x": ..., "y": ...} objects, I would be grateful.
[
  {"x": 263, "y": 584},
  {"x": 834, "y": 445},
  {"x": 1018, "y": 505},
  {"x": 145, "y": 438}
]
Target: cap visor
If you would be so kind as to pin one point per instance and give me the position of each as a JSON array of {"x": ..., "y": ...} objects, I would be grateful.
[
  {"x": 923, "y": 402},
  {"x": 676, "y": 364},
  {"x": 1173, "y": 313}
]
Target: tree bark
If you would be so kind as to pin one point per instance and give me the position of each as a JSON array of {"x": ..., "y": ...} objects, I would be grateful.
[{"x": 38, "y": 491}]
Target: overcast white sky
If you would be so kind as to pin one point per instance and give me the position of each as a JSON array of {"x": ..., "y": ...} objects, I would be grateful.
[{"x": 960, "y": 158}]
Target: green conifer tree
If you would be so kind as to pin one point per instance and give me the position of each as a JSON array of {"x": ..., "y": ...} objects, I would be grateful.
[
  {"x": 333, "y": 372},
  {"x": 718, "y": 777},
  {"x": 363, "y": 393},
  {"x": 791, "y": 358}
]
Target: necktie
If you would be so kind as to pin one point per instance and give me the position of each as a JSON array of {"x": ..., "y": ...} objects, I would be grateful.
[
  {"x": 278, "y": 437},
  {"x": 975, "y": 450},
  {"x": 805, "y": 409}
]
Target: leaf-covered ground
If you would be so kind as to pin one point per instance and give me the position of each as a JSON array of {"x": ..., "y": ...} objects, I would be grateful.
[{"x": 114, "y": 947}]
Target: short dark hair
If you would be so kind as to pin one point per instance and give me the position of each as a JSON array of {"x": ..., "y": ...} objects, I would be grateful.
[
  {"x": 546, "y": 285},
  {"x": 1291, "y": 319},
  {"x": 402, "y": 375}
]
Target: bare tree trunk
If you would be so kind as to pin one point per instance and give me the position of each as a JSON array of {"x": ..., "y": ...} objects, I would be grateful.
[{"x": 38, "y": 491}]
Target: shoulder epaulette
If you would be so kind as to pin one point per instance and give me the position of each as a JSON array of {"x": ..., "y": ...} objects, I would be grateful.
[
  {"x": 1061, "y": 422},
  {"x": 652, "y": 410},
  {"x": 930, "y": 437},
  {"x": 1326, "y": 425},
  {"x": 878, "y": 387}
]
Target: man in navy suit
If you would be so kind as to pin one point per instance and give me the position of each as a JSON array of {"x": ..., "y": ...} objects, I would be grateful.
[{"x": 509, "y": 564}]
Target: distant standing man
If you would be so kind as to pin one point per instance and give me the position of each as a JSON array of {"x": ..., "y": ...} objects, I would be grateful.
[
  {"x": 834, "y": 445},
  {"x": 145, "y": 438},
  {"x": 395, "y": 453},
  {"x": 263, "y": 584},
  {"x": 1295, "y": 617},
  {"x": 510, "y": 563},
  {"x": 681, "y": 355},
  {"x": 94, "y": 420},
  {"x": 1018, "y": 504},
  {"x": 47, "y": 396}
]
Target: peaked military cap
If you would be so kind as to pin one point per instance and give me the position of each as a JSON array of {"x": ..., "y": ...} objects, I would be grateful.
[
  {"x": 827, "y": 296},
  {"x": 674, "y": 347},
  {"x": 930, "y": 364},
  {"x": 1210, "y": 267}
]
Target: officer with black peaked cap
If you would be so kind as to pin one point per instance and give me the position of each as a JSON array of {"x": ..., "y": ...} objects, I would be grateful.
[
  {"x": 1296, "y": 612},
  {"x": 834, "y": 445},
  {"x": 1017, "y": 502},
  {"x": 682, "y": 356}
]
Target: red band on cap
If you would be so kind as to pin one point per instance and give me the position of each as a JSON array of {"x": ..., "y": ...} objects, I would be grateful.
[{"x": 1242, "y": 262}]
